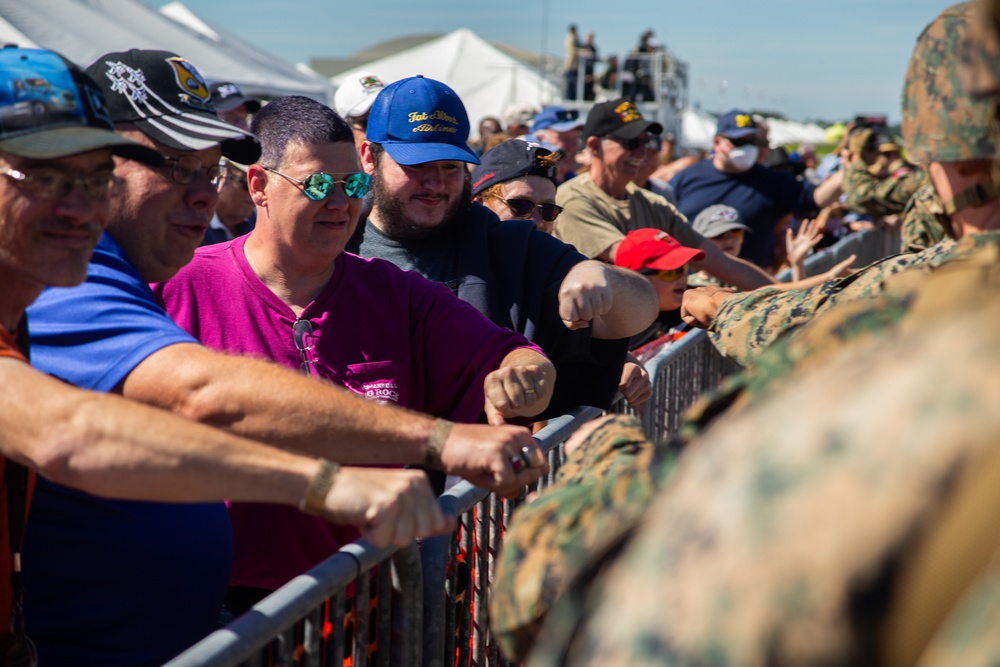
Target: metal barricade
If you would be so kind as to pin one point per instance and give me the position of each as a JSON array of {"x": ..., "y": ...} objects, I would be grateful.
[
  {"x": 429, "y": 606},
  {"x": 870, "y": 245}
]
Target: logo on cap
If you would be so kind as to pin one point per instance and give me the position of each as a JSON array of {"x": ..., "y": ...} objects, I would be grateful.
[
  {"x": 420, "y": 116},
  {"x": 127, "y": 81},
  {"x": 189, "y": 79},
  {"x": 743, "y": 120},
  {"x": 368, "y": 82},
  {"x": 627, "y": 112}
]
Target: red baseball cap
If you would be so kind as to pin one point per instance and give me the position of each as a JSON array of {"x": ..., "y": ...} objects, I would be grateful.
[{"x": 653, "y": 249}]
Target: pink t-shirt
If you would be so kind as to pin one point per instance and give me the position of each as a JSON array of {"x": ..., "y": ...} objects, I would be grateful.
[{"x": 387, "y": 334}]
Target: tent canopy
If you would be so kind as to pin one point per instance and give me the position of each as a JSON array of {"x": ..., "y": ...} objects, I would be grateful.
[
  {"x": 83, "y": 30},
  {"x": 486, "y": 79}
]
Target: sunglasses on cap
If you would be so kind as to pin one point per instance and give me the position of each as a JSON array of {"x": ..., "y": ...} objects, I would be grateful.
[
  {"x": 666, "y": 274},
  {"x": 648, "y": 141},
  {"x": 522, "y": 208},
  {"x": 320, "y": 185}
]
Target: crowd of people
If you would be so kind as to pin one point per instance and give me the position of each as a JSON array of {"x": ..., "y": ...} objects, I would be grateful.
[{"x": 258, "y": 331}]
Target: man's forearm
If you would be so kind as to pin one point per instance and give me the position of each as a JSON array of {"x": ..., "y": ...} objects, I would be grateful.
[
  {"x": 634, "y": 307},
  {"x": 272, "y": 404},
  {"x": 108, "y": 446},
  {"x": 829, "y": 190}
]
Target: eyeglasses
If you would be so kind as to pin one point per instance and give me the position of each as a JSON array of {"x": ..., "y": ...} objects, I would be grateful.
[
  {"x": 666, "y": 274},
  {"x": 186, "y": 169},
  {"x": 647, "y": 141},
  {"x": 522, "y": 208},
  {"x": 238, "y": 181},
  {"x": 320, "y": 185},
  {"x": 50, "y": 184},
  {"x": 302, "y": 335}
]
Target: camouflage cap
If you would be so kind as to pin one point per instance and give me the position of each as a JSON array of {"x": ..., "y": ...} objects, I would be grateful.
[{"x": 941, "y": 122}]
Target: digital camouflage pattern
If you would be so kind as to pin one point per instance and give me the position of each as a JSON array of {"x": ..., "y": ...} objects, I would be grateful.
[
  {"x": 870, "y": 195},
  {"x": 601, "y": 490},
  {"x": 979, "y": 64},
  {"x": 941, "y": 123},
  {"x": 748, "y": 322},
  {"x": 924, "y": 221},
  {"x": 791, "y": 535}
]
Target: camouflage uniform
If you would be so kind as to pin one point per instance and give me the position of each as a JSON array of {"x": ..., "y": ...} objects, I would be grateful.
[
  {"x": 870, "y": 195},
  {"x": 924, "y": 220},
  {"x": 748, "y": 322},
  {"x": 815, "y": 516},
  {"x": 601, "y": 490}
]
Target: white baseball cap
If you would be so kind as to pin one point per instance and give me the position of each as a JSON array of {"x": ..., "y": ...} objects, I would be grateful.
[{"x": 357, "y": 94}]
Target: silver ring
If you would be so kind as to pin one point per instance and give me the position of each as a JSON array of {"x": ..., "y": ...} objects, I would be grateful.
[
  {"x": 530, "y": 391},
  {"x": 517, "y": 462},
  {"x": 526, "y": 453}
]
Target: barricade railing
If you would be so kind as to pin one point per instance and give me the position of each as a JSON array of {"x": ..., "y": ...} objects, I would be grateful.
[
  {"x": 417, "y": 606},
  {"x": 870, "y": 245}
]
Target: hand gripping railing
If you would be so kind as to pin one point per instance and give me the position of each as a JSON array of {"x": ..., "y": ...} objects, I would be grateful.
[{"x": 422, "y": 609}]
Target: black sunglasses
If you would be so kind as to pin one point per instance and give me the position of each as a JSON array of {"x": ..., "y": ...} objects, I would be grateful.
[
  {"x": 522, "y": 208},
  {"x": 749, "y": 140},
  {"x": 648, "y": 141},
  {"x": 320, "y": 185}
]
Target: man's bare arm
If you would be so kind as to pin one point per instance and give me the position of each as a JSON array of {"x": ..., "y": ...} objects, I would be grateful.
[
  {"x": 108, "y": 446},
  {"x": 267, "y": 402},
  {"x": 616, "y": 302},
  {"x": 829, "y": 190},
  {"x": 731, "y": 270}
]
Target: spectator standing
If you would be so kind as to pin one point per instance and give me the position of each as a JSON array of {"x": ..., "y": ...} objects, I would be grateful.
[
  {"x": 571, "y": 62},
  {"x": 732, "y": 176},
  {"x": 234, "y": 214},
  {"x": 354, "y": 99},
  {"x": 577, "y": 312},
  {"x": 232, "y": 105},
  {"x": 603, "y": 205}
]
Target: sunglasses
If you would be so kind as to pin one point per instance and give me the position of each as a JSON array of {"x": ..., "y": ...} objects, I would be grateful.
[
  {"x": 750, "y": 140},
  {"x": 648, "y": 141},
  {"x": 302, "y": 335},
  {"x": 665, "y": 274},
  {"x": 319, "y": 186},
  {"x": 522, "y": 208},
  {"x": 730, "y": 234}
]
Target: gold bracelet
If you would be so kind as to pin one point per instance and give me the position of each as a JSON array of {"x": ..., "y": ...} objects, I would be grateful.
[
  {"x": 314, "y": 500},
  {"x": 435, "y": 443}
]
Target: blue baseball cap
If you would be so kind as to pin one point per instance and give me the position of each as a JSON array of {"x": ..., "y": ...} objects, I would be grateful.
[
  {"x": 50, "y": 109},
  {"x": 559, "y": 119},
  {"x": 418, "y": 120},
  {"x": 737, "y": 124}
]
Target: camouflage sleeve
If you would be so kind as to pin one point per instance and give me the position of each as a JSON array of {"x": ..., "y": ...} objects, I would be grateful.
[
  {"x": 601, "y": 491},
  {"x": 924, "y": 220},
  {"x": 870, "y": 195},
  {"x": 748, "y": 322}
]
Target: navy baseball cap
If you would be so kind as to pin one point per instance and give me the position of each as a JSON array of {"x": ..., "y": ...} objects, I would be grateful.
[
  {"x": 420, "y": 120},
  {"x": 227, "y": 96},
  {"x": 737, "y": 124},
  {"x": 49, "y": 108},
  {"x": 559, "y": 119},
  {"x": 509, "y": 160},
  {"x": 168, "y": 100}
]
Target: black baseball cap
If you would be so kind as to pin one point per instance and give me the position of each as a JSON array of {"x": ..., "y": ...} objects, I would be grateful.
[
  {"x": 164, "y": 96},
  {"x": 618, "y": 118},
  {"x": 509, "y": 160},
  {"x": 49, "y": 108},
  {"x": 227, "y": 96}
]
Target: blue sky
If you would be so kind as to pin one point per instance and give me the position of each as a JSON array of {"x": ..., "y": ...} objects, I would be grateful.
[{"x": 804, "y": 58}]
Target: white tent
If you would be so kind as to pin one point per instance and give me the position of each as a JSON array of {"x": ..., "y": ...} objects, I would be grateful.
[
  {"x": 486, "y": 79},
  {"x": 83, "y": 30},
  {"x": 697, "y": 129}
]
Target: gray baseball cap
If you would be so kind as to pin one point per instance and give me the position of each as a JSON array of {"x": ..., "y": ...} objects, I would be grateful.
[{"x": 718, "y": 219}]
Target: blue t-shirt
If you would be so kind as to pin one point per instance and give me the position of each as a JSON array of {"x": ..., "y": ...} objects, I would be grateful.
[
  {"x": 110, "y": 582},
  {"x": 761, "y": 195}
]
